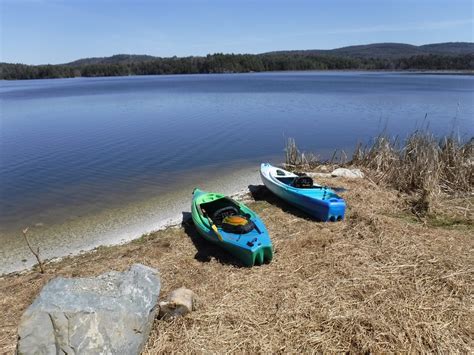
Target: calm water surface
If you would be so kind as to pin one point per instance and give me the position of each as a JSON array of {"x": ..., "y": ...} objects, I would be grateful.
[{"x": 75, "y": 149}]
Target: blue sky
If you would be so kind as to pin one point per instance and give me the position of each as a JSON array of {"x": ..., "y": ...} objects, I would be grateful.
[{"x": 59, "y": 31}]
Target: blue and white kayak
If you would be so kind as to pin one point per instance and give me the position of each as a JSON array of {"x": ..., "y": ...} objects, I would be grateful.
[{"x": 318, "y": 201}]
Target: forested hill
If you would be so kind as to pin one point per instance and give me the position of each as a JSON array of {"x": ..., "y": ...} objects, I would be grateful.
[
  {"x": 115, "y": 59},
  {"x": 382, "y": 56},
  {"x": 375, "y": 50},
  {"x": 391, "y": 50}
]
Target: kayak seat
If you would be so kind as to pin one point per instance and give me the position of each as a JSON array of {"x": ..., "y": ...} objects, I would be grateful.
[
  {"x": 237, "y": 224},
  {"x": 302, "y": 182},
  {"x": 218, "y": 209},
  {"x": 222, "y": 213}
]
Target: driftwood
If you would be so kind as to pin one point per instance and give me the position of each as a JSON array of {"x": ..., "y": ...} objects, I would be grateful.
[{"x": 35, "y": 253}]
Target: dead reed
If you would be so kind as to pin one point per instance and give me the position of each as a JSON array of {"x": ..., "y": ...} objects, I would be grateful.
[
  {"x": 421, "y": 163},
  {"x": 295, "y": 158}
]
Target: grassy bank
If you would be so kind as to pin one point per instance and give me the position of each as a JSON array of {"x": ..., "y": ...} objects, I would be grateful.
[{"x": 382, "y": 280}]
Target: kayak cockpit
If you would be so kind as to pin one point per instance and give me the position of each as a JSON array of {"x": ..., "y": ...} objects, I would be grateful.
[
  {"x": 306, "y": 187},
  {"x": 221, "y": 208},
  {"x": 300, "y": 182}
]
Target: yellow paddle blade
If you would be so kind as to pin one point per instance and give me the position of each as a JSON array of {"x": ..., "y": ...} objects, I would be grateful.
[{"x": 219, "y": 236}]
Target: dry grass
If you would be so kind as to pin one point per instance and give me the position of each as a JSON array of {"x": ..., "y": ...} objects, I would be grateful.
[
  {"x": 421, "y": 163},
  {"x": 295, "y": 158},
  {"x": 380, "y": 281}
]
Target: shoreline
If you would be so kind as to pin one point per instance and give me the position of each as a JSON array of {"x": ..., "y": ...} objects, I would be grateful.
[
  {"x": 398, "y": 71},
  {"x": 177, "y": 222},
  {"x": 118, "y": 225},
  {"x": 243, "y": 195}
]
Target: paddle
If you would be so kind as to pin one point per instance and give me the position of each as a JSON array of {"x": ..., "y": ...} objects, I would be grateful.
[{"x": 213, "y": 226}]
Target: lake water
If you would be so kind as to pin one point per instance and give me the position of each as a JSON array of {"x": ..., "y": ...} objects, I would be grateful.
[{"x": 98, "y": 160}]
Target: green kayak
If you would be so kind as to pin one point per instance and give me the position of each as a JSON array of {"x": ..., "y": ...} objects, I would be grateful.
[{"x": 233, "y": 226}]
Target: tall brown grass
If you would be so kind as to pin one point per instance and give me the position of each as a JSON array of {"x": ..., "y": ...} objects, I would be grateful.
[
  {"x": 296, "y": 158},
  {"x": 421, "y": 163}
]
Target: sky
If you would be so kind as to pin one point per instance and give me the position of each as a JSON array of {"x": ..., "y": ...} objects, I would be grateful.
[{"x": 60, "y": 31}]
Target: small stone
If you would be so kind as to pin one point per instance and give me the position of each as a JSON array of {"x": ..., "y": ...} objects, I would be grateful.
[
  {"x": 316, "y": 175},
  {"x": 348, "y": 173},
  {"x": 180, "y": 302}
]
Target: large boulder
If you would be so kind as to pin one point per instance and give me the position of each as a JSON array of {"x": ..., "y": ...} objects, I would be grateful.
[{"x": 109, "y": 314}]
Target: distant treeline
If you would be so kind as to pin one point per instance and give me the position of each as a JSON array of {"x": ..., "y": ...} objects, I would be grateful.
[{"x": 234, "y": 63}]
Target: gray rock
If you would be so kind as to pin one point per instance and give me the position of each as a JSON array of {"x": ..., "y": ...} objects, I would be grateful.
[
  {"x": 109, "y": 314},
  {"x": 348, "y": 173}
]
